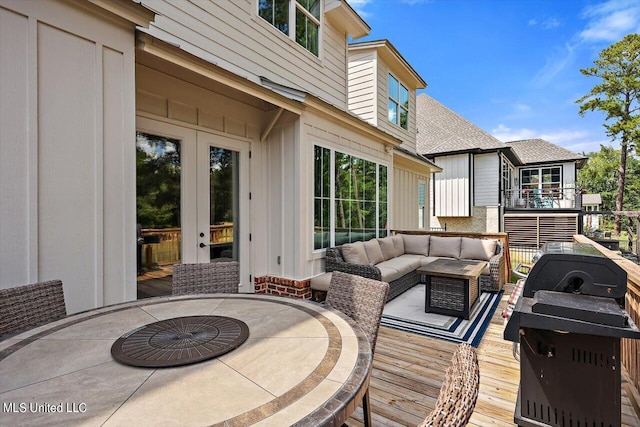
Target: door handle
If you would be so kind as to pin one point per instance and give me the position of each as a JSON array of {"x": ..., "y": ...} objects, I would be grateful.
[{"x": 202, "y": 245}]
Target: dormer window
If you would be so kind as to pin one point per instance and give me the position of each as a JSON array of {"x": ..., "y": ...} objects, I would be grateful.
[
  {"x": 398, "y": 103},
  {"x": 298, "y": 19}
]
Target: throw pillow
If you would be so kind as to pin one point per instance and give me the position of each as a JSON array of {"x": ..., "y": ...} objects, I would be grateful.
[
  {"x": 374, "y": 253},
  {"x": 479, "y": 249},
  {"x": 417, "y": 245},
  {"x": 398, "y": 244},
  {"x": 444, "y": 246},
  {"x": 354, "y": 253},
  {"x": 388, "y": 249}
]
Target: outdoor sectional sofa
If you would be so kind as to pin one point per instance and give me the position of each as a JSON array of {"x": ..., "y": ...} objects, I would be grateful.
[{"x": 395, "y": 259}]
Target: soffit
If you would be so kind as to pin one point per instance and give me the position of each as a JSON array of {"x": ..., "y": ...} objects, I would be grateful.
[{"x": 154, "y": 52}]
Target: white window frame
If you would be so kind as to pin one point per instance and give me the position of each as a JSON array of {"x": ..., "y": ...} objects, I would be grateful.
[
  {"x": 396, "y": 101},
  {"x": 540, "y": 182},
  {"x": 293, "y": 7},
  {"x": 332, "y": 191},
  {"x": 422, "y": 209}
]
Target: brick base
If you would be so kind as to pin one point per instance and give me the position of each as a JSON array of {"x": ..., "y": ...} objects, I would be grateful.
[{"x": 280, "y": 286}]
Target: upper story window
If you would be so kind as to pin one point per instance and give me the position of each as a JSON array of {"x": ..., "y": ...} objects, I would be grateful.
[
  {"x": 298, "y": 19},
  {"x": 398, "y": 103},
  {"x": 543, "y": 179}
]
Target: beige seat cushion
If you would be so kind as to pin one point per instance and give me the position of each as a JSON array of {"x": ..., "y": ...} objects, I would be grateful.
[
  {"x": 402, "y": 264},
  {"x": 418, "y": 245},
  {"x": 374, "y": 253},
  {"x": 387, "y": 247},
  {"x": 354, "y": 253},
  {"x": 389, "y": 274},
  {"x": 444, "y": 246},
  {"x": 479, "y": 249},
  {"x": 398, "y": 244}
]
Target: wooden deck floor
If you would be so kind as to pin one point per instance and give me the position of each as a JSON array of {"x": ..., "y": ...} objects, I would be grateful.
[{"x": 409, "y": 369}]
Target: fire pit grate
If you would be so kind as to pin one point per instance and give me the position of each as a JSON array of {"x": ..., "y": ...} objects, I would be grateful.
[{"x": 179, "y": 341}]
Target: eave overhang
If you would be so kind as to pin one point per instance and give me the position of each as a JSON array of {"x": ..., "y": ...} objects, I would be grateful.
[
  {"x": 416, "y": 162},
  {"x": 128, "y": 10},
  {"x": 343, "y": 15},
  {"x": 147, "y": 44}
]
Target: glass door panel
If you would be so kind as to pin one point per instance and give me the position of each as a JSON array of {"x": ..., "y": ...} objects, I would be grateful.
[
  {"x": 223, "y": 204},
  {"x": 158, "y": 213}
]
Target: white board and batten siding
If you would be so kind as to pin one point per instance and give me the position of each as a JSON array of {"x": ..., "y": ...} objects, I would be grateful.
[
  {"x": 233, "y": 36},
  {"x": 66, "y": 125},
  {"x": 486, "y": 179},
  {"x": 451, "y": 187},
  {"x": 405, "y": 199},
  {"x": 362, "y": 82}
]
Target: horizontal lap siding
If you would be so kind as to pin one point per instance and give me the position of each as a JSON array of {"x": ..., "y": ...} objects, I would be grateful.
[
  {"x": 362, "y": 84},
  {"x": 540, "y": 229},
  {"x": 233, "y": 36}
]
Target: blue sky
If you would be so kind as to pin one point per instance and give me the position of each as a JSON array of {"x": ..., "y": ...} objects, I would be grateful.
[{"x": 511, "y": 67}]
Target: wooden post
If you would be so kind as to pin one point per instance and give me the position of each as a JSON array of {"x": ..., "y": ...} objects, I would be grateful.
[{"x": 637, "y": 233}]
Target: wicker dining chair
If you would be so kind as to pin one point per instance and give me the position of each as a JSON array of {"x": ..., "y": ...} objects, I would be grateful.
[
  {"x": 27, "y": 306},
  {"x": 459, "y": 391},
  {"x": 215, "y": 277},
  {"x": 363, "y": 300}
]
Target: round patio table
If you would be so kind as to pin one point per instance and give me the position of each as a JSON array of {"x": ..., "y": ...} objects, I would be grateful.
[{"x": 302, "y": 364}]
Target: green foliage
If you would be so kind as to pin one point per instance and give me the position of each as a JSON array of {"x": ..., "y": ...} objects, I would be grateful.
[
  {"x": 618, "y": 93},
  {"x": 600, "y": 175},
  {"x": 157, "y": 181}
]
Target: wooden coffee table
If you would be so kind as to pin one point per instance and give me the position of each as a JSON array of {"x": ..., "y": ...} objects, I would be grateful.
[{"x": 452, "y": 286}]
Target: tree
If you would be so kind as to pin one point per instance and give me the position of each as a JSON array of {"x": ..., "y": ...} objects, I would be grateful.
[{"x": 618, "y": 97}]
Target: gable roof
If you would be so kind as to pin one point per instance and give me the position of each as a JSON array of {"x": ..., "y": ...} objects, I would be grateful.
[
  {"x": 440, "y": 131},
  {"x": 538, "y": 150},
  {"x": 393, "y": 59}
]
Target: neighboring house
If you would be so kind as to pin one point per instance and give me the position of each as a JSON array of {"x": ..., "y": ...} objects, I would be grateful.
[
  {"x": 545, "y": 203},
  {"x": 592, "y": 203},
  {"x": 217, "y": 126},
  {"x": 477, "y": 169},
  {"x": 526, "y": 188},
  {"x": 382, "y": 90}
]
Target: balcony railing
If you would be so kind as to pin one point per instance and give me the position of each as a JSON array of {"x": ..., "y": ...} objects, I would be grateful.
[{"x": 556, "y": 198}]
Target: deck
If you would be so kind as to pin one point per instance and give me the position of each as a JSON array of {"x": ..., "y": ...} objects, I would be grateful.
[{"x": 409, "y": 369}]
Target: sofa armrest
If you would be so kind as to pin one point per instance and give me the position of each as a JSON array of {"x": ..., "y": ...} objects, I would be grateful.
[
  {"x": 497, "y": 265},
  {"x": 335, "y": 262}
]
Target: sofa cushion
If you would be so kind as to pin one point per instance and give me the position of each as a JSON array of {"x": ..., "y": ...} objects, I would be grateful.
[
  {"x": 398, "y": 244},
  {"x": 418, "y": 245},
  {"x": 479, "y": 249},
  {"x": 321, "y": 282},
  {"x": 404, "y": 265},
  {"x": 374, "y": 253},
  {"x": 444, "y": 246},
  {"x": 388, "y": 249},
  {"x": 389, "y": 274},
  {"x": 355, "y": 253}
]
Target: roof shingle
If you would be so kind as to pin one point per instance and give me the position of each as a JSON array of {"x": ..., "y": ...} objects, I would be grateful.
[{"x": 541, "y": 151}]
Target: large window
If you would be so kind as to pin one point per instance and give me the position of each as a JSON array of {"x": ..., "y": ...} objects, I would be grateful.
[
  {"x": 358, "y": 190},
  {"x": 398, "y": 103},
  {"x": 543, "y": 179},
  {"x": 298, "y": 19}
]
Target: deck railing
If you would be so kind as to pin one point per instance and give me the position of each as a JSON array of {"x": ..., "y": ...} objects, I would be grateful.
[
  {"x": 630, "y": 348},
  {"x": 165, "y": 248},
  {"x": 556, "y": 198}
]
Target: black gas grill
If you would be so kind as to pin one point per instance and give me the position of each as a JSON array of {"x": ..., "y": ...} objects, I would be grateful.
[{"x": 569, "y": 322}]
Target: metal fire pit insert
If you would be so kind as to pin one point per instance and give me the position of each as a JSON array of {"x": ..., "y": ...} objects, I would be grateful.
[{"x": 179, "y": 341}]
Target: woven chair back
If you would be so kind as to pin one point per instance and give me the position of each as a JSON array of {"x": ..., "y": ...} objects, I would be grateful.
[
  {"x": 215, "y": 277},
  {"x": 27, "y": 306},
  {"x": 359, "y": 298},
  {"x": 459, "y": 392}
]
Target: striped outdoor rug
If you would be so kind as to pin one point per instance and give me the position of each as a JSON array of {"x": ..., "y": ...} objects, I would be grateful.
[{"x": 406, "y": 313}]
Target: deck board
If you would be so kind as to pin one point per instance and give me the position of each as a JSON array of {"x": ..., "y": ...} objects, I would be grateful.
[{"x": 408, "y": 371}]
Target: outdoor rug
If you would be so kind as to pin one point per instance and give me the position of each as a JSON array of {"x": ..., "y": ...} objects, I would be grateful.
[{"x": 406, "y": 313}]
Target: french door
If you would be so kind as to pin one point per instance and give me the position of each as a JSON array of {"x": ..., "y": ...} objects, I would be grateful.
[{"x": 192, "y": 201}]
